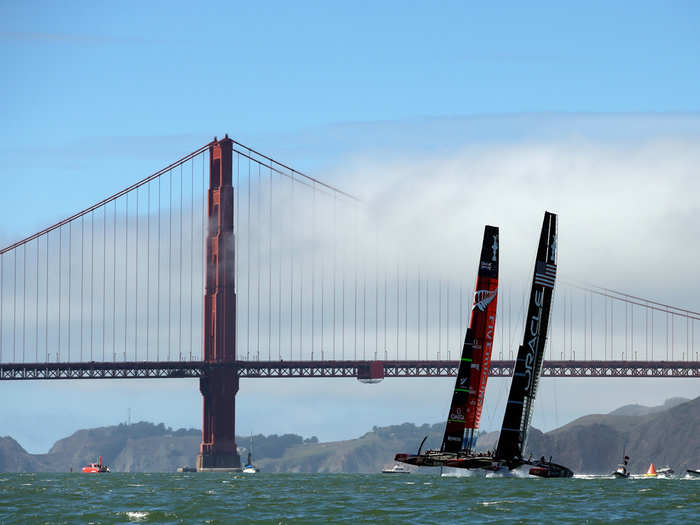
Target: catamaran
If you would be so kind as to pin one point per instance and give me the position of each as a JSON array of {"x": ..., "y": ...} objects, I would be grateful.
[
  {"x": 509, "y": 453},
  {"x": 468, "y": 396}
]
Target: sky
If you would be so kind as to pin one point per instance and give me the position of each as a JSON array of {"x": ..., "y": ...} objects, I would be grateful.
[{"x": 400, "y": 103}]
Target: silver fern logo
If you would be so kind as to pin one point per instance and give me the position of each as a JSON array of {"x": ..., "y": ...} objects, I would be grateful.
[{"x": 482, "y": 298}]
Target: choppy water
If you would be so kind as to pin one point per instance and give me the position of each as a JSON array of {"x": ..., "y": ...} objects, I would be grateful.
[{"x": 341, "y": 498}]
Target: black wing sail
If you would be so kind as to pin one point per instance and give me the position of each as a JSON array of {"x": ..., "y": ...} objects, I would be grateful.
[
  {"x": 468, "y": 394},
  {"x": 528, "y": 364}
]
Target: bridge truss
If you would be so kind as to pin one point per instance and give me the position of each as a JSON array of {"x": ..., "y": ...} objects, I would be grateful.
[{"x": 363, "y": 370}]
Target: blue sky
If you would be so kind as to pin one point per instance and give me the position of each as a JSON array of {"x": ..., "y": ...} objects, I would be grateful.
[{"x": 95, "y": 96}]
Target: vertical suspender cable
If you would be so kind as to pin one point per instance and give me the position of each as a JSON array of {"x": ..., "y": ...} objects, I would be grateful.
[
  {"x": 92, "y": 284},
  {"x": 269, "y": 272},
  {"x": 335, "y": 248},
  {"x": 605, "y": 327},
  {"x": 14, "y": 308},
  {"x": 148, "y": 267},
  {"x": 364, "y": 309},
  {"x": 323, "y": 318},
  {"x": 170, "y": 259},
  {"x": 136, "y": 286},
  {"x": 247, "y": 315},
  {"x": 386, "y": 279},
  {"x": 82, "y": 277},
  {"x": 70, "y": 265},
  {"x": 104, "y": 276},
  {"x": 313, "y": 267},
  {"x": 36, "y": 308},
  {"x": 24, "y": 302},
  {"x": 405, "y": 317},
  {"x": 2, "y": 301},
  {"x": 342, "y": 312},
  {"x": 126, "y": 271},
  {"x": 419, "y": 313},
  {"x": 257, "y": 260},
  {"x": 427, "y": 315},
  {"x": 397, "y": 311},
  {"x": 612, "y": 329},
  {"x": 46, "y": 311},
  {"x": 192, "y": 245},
  {"x": 356, "y": 260},
  {"x": 60, "y": 287},
  {"x": 114, "y": 284},
  {"x": 280, "y": 232},
  {"x": 447, "y": 316},
  {"x": 439, "y": 318},
  {"x": 158, "y": 271},
  {"x": 290, "y": 245},
  {"x": 301, "y": 303},
  {"x": 376, "y": 299},
  {"x": 179, "y": 294}
]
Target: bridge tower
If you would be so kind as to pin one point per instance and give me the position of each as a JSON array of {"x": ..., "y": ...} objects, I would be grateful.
[{"x": 219, "y": 384}]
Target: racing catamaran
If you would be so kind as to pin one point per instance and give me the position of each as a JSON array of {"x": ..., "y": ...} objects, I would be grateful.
[
  {"x": 528, "y": 365},
  {"x": 468, "y": 395},
  {"x": 509, "y": 453}
]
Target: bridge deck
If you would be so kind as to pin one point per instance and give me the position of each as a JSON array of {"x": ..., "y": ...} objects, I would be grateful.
[{"x": 303, "y": 369}]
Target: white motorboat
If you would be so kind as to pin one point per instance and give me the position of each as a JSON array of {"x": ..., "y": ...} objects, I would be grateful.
[{"x": 396, "y": 469}]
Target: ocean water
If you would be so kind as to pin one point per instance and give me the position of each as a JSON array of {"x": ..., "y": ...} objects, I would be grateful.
[{"x": 342, "y": 498}]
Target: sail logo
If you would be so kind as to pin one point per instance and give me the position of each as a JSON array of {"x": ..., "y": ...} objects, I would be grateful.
[
  {"x": 494, "y": 247},
  {"x": 545, "y": 274},
  {"x": 534, "y": 334},
  {"x": 553, "y": 249},
  {"x": 482, "y": 298},
  {"x": 457, "y": 415}
]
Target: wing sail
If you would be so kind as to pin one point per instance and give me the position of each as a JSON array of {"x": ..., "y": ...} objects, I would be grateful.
[
  {"x": 528, "y": 364},
  {"x": 470, "y": 386}
]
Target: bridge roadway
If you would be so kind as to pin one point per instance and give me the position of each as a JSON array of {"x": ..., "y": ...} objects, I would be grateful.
[{"x": 362, "y": 370}]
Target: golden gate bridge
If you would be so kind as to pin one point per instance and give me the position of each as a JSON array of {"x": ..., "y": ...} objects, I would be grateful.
[{"x": 228, "y": 264}]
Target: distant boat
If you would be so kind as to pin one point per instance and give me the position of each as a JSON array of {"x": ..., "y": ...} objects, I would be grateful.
[
  {"x": 94, "y": 468},
  {"x": 621, "y": 470},
  {"x": 651, "y": 473},
  {"x": 249, "y": 468},
  {"x": 665, "y": 472},
  {"x": 396, "y": 469},
  {"x": 693, "y": 473}
]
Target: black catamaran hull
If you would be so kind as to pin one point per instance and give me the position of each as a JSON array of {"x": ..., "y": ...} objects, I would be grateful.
[
  {"x": 435, "y": 458},
  {"x": 550, "y": 470}
]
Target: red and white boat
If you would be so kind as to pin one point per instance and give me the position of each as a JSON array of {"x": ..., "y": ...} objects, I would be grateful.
[{"x": 94, "y": 468}]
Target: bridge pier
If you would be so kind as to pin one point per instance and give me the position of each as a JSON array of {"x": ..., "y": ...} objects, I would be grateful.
[
  {"x": 218, "y": 449},
  {"x": 219, "y": 384}
]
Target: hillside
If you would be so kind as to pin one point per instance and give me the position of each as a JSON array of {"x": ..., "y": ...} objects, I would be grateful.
[
  {"x": 591, "y": 444},
  {"x": 641, "y": 410},
  {"x": 595, "y": 443}
]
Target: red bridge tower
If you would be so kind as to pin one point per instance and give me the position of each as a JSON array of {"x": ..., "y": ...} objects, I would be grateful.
[{"x": 220, "y": 383}]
